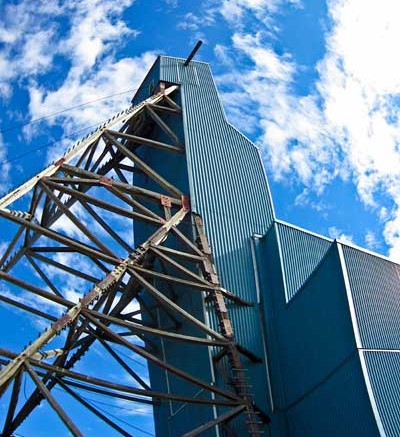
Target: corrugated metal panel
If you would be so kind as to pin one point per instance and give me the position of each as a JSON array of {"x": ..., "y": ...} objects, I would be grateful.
[
  {"x": 301, "y": 254},
  {"x": 384, "y": 375},
  {"x": 375, "y": 288},
  {"x": 174, "y": 418},
  {"x": 339, "y": 407},
  {"x": 309, "y": 346},
  {"x": 228, "y": 187},
  {"x": 317, "y": 381}
]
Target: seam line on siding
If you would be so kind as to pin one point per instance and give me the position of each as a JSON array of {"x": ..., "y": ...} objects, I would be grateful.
[
  {"x": 371, "y": 394},
  {"x": 350, "y": 301}
]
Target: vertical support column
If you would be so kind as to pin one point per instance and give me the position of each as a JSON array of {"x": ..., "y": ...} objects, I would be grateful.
[{"x": 239, "y": 379}]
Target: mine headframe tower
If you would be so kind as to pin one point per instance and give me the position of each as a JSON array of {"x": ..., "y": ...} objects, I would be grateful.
[{"x": 105, "y": 248}]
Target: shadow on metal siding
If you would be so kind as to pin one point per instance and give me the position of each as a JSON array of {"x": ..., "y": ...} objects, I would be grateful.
[
  {"x": 375, "y": 287},
  {"x": 301, "y": 254},
  {"x": 315, "y": 330},
  {"x": 228, "y": 187},
  {"x": 339, "y": 407},
  {"x": 384, "y": 374}
]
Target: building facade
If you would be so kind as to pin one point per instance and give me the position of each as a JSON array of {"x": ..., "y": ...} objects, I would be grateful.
[{"x": 321, "y": 338}]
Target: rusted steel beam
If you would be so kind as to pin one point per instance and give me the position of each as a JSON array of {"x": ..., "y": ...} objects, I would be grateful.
[
  {"x": 178, "y": 266},
  {"x": 67, "y": 212},
  {"x": 100, "y": 158},
  {"x": 105, "y": 392},
  {"x": 164, "y": 109},
  {"x": 174, "y": 279},
  {"x": 180, "y": 254},
  {"x": 24, "y": 307},
  {"x": 187, "y": 242},
  {"x": 11, "y": 245},
  {"x": 135, "y": 327},
  {"x": 230, "y": 399},
  {"x": 34, "y": 289},
  {"x": 172, "y": 103},
  {"x": 103, "y": 204},
  {"x": 154, "y": 395},
  {"x": 142, "y": 165},
  {"x": 229, "y": 415},
  {"x": 155, "y": 360},
  {"x": 165, "y": 301},
  {"x": 122, "y": 363},
  {"x": 54, "y": 404},
  {"x": 133, "y": 189},
  {"x": 81, "y": 145},
  {"x": 74, "y": 312},
  {"x": 235, "y": 363},
  {"x": 94, "y": 410},
  {"x": 134, "y": 203},
  {"x": 44, "y": 277},
  {"x": 35, "y": 253},
  {"x": 161, "y": 123},
  {"x": 13, "y": 403},
  {"x": 80, "y": 247},
  {"x": 106, "y": 227},
  {"x": 95, "y": 293},
  {"x": 147, "y": 142}
]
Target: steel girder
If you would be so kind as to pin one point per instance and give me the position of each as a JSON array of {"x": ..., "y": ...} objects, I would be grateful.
[{"x": 69, "y": 227}]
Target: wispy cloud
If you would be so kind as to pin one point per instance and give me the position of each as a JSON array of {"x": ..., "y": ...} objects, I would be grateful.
[
  {"x": 347, "y": 127},
  {"x": 338, "y": 234},
  {"x": 371, "y": 240},
  {"x": 82, "y": 37},
  {"x": 5, "y": 167},
  {"x": 234, "y": 10}
]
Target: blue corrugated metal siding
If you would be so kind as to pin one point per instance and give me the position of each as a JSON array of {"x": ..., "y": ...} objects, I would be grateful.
[
  {"x": 303, "y": 314},
  {"x": 228, "y": 188},
  {"x": 384, "y": 374},
  {"x": 309, "y": 345},
  {"x": 301, "y": 254},
  {"x": 338, "y": 407},
  {"x": 172, "y": 419},
  {"x": 375, "y": 287},
  {"x": 317, "y": 381}
]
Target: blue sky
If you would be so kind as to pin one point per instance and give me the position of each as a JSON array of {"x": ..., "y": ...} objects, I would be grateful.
[{"x": 316, "y": 85}]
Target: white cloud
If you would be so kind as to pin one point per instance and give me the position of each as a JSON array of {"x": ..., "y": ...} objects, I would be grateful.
[
  {"x": 348, "y": 126},
  {"x": 234, "y": 10},
  {"x": 5, "y": 166},
  {"x": 95, "y": 27},
  {"x": 195, "y": 22},
  {"x": 26, "y": 49},
  {"x": 293, "y": 130},
  {"x": 109, "y": 78},
  {"x": 371, "y": 240},
  {"x": 135, "y": 410},
  {"x": 338, "y": 234},
  {"x": 360, "y": 83},
  {"x": 34, "y": 301}
]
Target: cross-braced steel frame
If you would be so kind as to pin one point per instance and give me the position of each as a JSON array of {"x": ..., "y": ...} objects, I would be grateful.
[{"x": 68, "y": 231}]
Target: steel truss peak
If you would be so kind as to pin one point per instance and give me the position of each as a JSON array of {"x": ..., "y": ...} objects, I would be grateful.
[{"x": 67, "y": 225}]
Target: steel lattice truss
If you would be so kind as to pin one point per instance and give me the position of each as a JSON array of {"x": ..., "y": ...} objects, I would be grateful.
[{"x": 68, "y": 225}]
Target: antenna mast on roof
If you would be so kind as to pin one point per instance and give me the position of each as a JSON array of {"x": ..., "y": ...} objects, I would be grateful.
[{"x": 193, "y": 52}]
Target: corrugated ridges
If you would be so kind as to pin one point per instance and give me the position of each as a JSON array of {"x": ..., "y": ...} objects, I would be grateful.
[
  {"x": 375, "y": 287},
  {"x": 301, "y": 254},
  {"x": 384, "y": 375},
  {"x": 340, "y": 407},
  {"x": 228, "y": 187}
]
